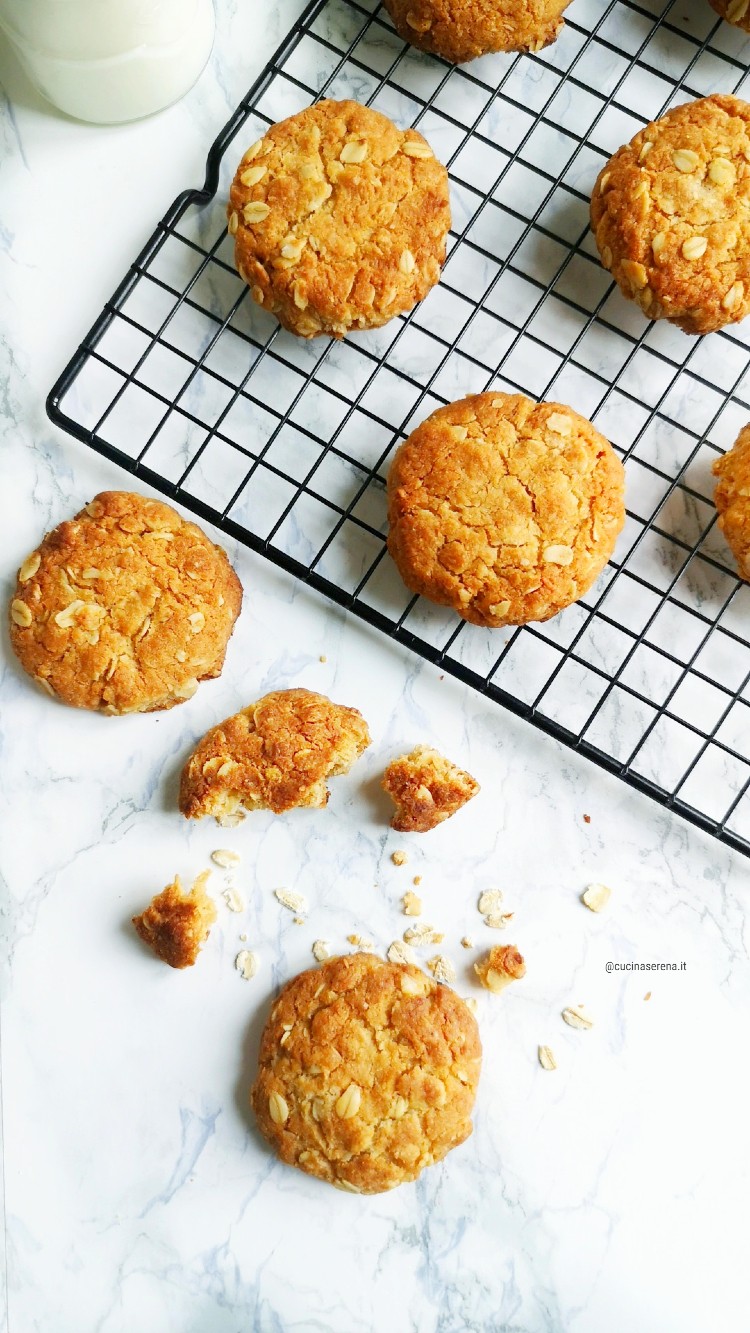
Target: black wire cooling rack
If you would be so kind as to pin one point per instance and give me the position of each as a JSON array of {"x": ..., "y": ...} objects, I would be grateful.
[{"x": 285, "y": 444}]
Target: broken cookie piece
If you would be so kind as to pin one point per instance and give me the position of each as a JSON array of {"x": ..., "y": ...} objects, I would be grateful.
[
  {"x": 426, "y": 789},
  {"x": 275, "y": 755},
  {"x": 176, "y": 924},
  {"x": 499, "y": 967}
]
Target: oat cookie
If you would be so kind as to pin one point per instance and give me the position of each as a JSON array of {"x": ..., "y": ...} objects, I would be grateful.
[
  {"x": 427, "y": 789},
  {"x": 275, "y": 755},
  {"x": 124, "y": 608},
  {"x": 504, "y": 509},
  {"x": 732, "y": 499},
  {"x": 176, "y": 924},
  {"x": 367, "y": 1073},
  {"x": 734, "y": 11},
  {"x": 339, "y": 218},
  {"x": 671, "y": 215},
  {"x": 461, "y": 30}
]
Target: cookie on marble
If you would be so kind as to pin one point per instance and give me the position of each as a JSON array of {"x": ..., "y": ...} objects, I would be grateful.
[
  {"x": 504, "y": 509},
  {"x": 124, "y": 608},
  {"x": 732, "y": 499},
  {"x": 736, "y": 12},
  {"x": 426, "y": 789},
  {"x": 671, "y": 215},
  {"x": 501, "y": 965},
  {"x": 339, "y": 219},
  {"x": 367, "y": 1073},
  {"x": 460, "y": 30},
  {"x": 275, "y": 755},
  {"x": 176, "y": 924}
]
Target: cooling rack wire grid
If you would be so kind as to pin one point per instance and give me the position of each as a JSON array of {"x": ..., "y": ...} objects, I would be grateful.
[{"x": 285, "y": 444}]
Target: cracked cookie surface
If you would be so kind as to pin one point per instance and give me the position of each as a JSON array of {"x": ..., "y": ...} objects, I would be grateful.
[
  {"x": 504, "y": 509},
  {"x": 275, "y": 755},
  {"x": 367, "y": 1073},
  {"x": 124, "y": 608},
  {"x": 670, "y": 213},
  {"x": 732, "y": 499},
  {"x": 339, "y": 219},
  {"x": 426, "y": 789},
  {"x": 461, "y": 30}
]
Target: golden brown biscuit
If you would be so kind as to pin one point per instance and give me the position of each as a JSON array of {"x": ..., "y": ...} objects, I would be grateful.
[
  {"x": 461, "y": 30},
  {"x": 732, "y": 499},
  {"x": 426, "y": 789},
  {"x": 175, "y": 924},
  {"x": 124, "y": 608},
  {"x": 504, "y": 509},
  {"x": 275, "y": 755},
  {"x": 339, "y": 219},
  {"x": 734, "y": 11},
  {"x": 671, "y": 215},
  {"x": 500, "y": 966},
  {"x": 367, "y": 1073}
]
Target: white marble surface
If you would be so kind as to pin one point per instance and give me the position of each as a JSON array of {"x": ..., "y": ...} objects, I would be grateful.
[{"x": 610, "y": 1194}]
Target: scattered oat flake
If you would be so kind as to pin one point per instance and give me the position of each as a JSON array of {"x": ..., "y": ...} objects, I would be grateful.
[
  {"x": 288, "y": 898},
  {"x": 321, "y": 950},
  {"x": 467, "y": 942},
  {"x": 398, "y": 952},
  {"x": 360, "y": 942},
  {"x": 225, "y": 859},
  {"x": 417, "y": 880},
  {"x": 246, "y": 963},
  {"x": 442, "y": 968},
  {"x": 299, "y": 921},
  {"x": 546, "y": 1058},
  {"x": 411, "y": 904},
  {"x": 423, "y": 934},
  {"x": 243, "y": 938},
  {"x": 576, "y": 1018},
  {"x": 230, "y": 821},
  {"x": 647, "y": 996},
  {"x": 233, "y": 899},
  {"x": 498, "y": 920},
  {"x": 596, "y": 896},
  {"x": 399, "y": 858},
  {"x": 489, "y": 901}
]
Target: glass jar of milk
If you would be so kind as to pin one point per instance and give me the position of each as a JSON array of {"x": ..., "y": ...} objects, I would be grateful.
[{"x": 111, "y": 60}]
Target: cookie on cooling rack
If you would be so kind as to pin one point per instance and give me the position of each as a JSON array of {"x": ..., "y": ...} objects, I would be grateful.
[
  {"x": 504, "y": 509},
  {"x": 124, "y": 608},
  {"x": 275, "y": 755},
  {"x": 461, "y": 30},
  {"x": 736, "y": 12},
  {"x": 367, "y": 1073},
  {"x": 671, "y": 215},
  {"x": 732, "y": 499},
  {"x": 340, "y": 219}
]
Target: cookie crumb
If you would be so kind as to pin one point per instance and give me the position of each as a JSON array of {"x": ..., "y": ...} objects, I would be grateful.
[
  {"x": 176, "y": 924},
  {"x": 423, "y": 934},
  {"x": 360, "y": 943},
  {"x": 596, "y": 897},
  {"x": 321, "y": 950},
  {"x": 500, "y": 966},
  {"x": 417, "y": 880},
  {"x": 399, "y": 858},
  {"x": 411, "y": 904},
  {"x": 471, "y": 1004},
  {"x": 647, "y": 996},
  {"x": 467, "y": 942},
  {"x": 398, "y": 952},
  {"x": 498, "y": 920},
  {"x": 426, "y": 789},
  {"x": 587, "y": 819},
  {"x": 323, "y": 657}
]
